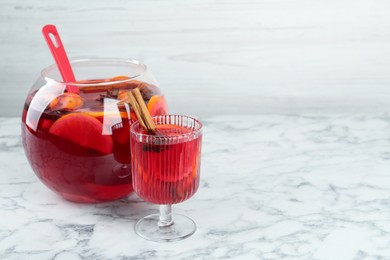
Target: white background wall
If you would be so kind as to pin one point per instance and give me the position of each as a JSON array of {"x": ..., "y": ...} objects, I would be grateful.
[{"x": 213, "y": 57}]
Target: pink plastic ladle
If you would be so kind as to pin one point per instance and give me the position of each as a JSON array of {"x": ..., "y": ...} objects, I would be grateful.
[{"x": 58, "y": 51}]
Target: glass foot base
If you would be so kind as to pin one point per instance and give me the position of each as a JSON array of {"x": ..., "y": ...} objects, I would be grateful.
[{"x": 148, "y": 228}]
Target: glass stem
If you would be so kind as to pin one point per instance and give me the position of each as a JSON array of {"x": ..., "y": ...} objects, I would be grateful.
[{"x": 165, "y": 216}]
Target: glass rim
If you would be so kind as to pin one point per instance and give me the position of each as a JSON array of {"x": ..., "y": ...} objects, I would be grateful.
[
  {"x": 143, "y": 67},
  {"x": 197, "y": 131}
]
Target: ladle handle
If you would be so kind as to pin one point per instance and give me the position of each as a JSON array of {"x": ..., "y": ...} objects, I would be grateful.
[{"x": 54, "y": 42}]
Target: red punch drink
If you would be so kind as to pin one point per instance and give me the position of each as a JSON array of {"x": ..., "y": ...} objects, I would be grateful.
[
  {"x": 166, "y": 166},
  {"x": 79, "y": 144}
]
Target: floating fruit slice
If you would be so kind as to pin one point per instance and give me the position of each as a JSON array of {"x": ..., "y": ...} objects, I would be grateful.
[
  {"x": 67, "y": 101},
  {"x": 82, "y": 130},
  {"x": 120, "y": 131},
  {"x": 157, "y": 106},
  {"x": 123, "y": 96},
  {"x": 101, "y": 114},
  {"x": 119, "y": 78},
  {"x": 119, "y": 83}
]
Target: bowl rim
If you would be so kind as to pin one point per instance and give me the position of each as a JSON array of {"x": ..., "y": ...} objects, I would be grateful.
[{"x": 140, "y": 65}]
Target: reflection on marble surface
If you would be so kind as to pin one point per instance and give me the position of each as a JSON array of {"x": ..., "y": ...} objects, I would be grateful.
[{"x": 273, "y": 187}]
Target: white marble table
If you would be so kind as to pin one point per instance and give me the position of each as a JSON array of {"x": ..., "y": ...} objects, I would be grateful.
[{"x": 273, "y": 187}]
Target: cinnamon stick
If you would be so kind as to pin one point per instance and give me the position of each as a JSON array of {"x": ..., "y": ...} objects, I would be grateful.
[
  {"x": 144, "y": 110},
  {"x": 137, "y": 110},
  {"x": 130, "y": 85},
  {"x": 138, "y": 104}
]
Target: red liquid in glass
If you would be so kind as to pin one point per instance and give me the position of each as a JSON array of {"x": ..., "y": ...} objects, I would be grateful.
[
  {"x": 81, "y": 154},
  {"x": 166, "y": 174}
]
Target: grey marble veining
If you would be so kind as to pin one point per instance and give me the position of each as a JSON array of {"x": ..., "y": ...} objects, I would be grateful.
[{"x": 309, "y": 186}]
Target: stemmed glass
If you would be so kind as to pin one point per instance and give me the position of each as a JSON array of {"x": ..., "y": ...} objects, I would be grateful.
[{"x": 166, "y": 168}]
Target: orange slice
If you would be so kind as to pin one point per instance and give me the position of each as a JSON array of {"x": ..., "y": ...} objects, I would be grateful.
[
  {"x": 101, "y": 114},
  {"x": 82, "y": 130},
  {"x": 157, "y": 106},
  {"x": 119, "y": 78},
  {"x": 120, "y": 132},
  {"x": 67, "y": 101},
  {"x": 123, "y": 95}
]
